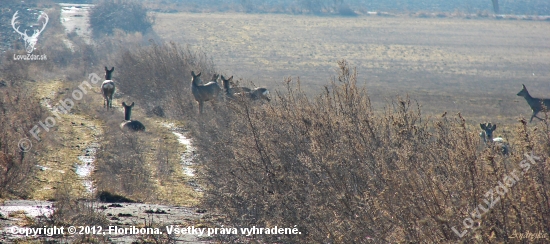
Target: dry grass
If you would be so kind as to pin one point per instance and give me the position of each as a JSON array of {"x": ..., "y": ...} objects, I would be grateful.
[
  {"x": 340, "y": 162},
  {"x": 17, "y": 168},
  {"x": 69, "y": 138},
  {"x": 343, "y": 173},
  {"x": 456, "y": 65},
  {"x": 141, "y": 166},
  {"x": 160, "y": 75}
]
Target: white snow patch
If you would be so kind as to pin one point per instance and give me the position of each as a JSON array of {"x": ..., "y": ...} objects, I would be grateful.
[
  {"x": 189, "y": 155},
  {"x": 30, "y": 208}
]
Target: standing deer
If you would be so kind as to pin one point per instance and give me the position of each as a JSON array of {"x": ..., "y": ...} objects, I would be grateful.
[
  {"x": 30, "y": 41},
  {"x": 488, "y": 139},
  {"x": 253, "y": 94},
  {"x": 536, "y": 104},
  {"x": 128, "y": 124},
  {"x": 203, "y": 93},
  {"x": 108, "y": 88}
]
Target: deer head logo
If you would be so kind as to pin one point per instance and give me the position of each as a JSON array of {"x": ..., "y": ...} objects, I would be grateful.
[{"x": 30, "y": 41}]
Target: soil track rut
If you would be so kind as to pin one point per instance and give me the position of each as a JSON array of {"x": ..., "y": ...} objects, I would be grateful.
[{"x": 79, "y": 136}]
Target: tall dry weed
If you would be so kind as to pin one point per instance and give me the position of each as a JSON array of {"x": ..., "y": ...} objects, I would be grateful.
[
  {"x": 343, "y": 173},
  {"x": 19, "y": 111},
  {"x": 159, "y": 75}
]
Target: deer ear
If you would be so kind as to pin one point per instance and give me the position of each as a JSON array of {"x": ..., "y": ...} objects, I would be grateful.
[
  {"x": 482, "y": 126},
  {"x": 200, "y": 73},
  {"x": 106, "y": 68},
  {"x": 132, "y": 104},
  {"x": 112, "y": 69},
  {"x": 523, "y": 86},
  {"x": 230, "y": 78},
  {"x": 494, "y": 127},
  {"x": 124, "y": 104}
]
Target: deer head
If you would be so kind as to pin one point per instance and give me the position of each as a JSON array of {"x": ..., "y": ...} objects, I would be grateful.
[{"x": 30, "y": 41}]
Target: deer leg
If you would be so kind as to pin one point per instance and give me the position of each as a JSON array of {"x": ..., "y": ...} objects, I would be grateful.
[
  {"x": 200, "y": 107},
  {"x": 534, "y": 115},
  {"x": 213, "y": 105}
]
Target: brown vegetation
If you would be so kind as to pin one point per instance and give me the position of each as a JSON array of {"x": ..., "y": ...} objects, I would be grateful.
[
  {"x": 127, "y": 15},
  {"x": 19, "y": 112},
  {"x": 342, "y": 173},
  {"x": 329, "y": 164},
  {"x": 160, "y": 75}
]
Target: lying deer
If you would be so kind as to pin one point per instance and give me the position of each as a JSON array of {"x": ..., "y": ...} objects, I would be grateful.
[
  {"x": 488, "y": 139},
  {"x": 128, "y": 124},
  {"x": 203, "y": 93},
  {"x": 536, "y": 104},
  {"x": 252, "y": 94},
  {"x": 108, "y": 88}
]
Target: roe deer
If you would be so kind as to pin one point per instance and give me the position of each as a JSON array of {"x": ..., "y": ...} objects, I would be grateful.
[
  {"x": 108, "y": 88},
  {"x": 253, "y": 94},
  {"x": 129, "y": 124},
  {"x": 230, "y": 91},
  {"x": 536, "y": 104},
  {"x": 203, "y": 93},
  {"x": 488, "y": 139}
]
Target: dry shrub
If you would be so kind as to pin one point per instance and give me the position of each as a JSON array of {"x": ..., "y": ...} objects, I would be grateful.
[
  {"x": 14, "y": 71},
  {"x": 122, "y": 166},
  {"x": 19, "y": 112},
  {"x": 70, "y": 211},
  {"x": 342, "y": 173},
  {"x": 160, "y": 75},
  {"x": 127, "y": 15}
]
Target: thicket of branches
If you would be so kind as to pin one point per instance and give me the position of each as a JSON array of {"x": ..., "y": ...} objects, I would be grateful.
[
  {"x": 343, "y": 173},
  {"x": 159, "y": 77},
  {"x": 19, "y": 112},
  {"x": 127, "y": 15}
]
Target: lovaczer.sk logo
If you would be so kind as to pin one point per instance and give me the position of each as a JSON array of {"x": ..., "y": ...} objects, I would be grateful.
[{"x": 30, "y": 41}]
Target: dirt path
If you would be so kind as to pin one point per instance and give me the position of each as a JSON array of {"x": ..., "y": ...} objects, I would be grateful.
[
  {"x": 59, "y": 162},
  {"x": 70, "y": 164}
]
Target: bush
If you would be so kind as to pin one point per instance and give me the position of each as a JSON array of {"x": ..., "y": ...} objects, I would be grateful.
[
  {"x": 129, "y": 16},
  {"x": 159, "y": 76},
  {"x": 344, "y": 173},
  {"x": 19, "y": 112}
]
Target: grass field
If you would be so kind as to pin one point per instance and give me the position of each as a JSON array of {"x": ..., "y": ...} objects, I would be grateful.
[
  {"x": 473, "y": 66},
  {"x": 333, "y": 167}
]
